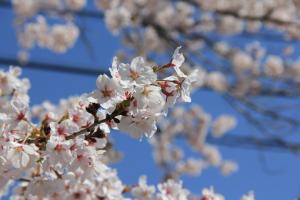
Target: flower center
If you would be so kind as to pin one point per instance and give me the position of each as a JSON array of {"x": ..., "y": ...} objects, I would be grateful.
[
  {"x": 20, "y": 116},
  {"x": 19, "y": 149},
  {"x": 146, "y": 91},
  {"x": 59, "y": 148},
  {"x": 134, "y": 75},
  {"x": 106, "y": 92}
]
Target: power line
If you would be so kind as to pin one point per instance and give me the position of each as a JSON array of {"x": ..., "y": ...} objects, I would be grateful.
[
  {"x": 244, "y": 142},
  {"x": 5, "y": 62}
]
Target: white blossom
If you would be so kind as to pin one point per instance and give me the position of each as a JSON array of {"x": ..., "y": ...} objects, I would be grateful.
[
  {"x": 108, "y": 91},
  {"x": 209, "y": 194},
  {"x": 75, "y": 4},
  {"x": 21, "y": 154},
  {"x": 143, "y": 191},
  {"x": 177, "y": 61},
  {"x": 273, "y": 66},
  {"x": 172, "y": 190},
  {"x": 249, "y": 196},
  {"x": 223, "y": 124},
  {"x": 137, "y": 73}
]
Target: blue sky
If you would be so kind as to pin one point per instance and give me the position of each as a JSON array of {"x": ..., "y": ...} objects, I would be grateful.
[{"x": 273, "y": 176}]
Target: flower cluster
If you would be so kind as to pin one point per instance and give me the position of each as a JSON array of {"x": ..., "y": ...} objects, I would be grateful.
[
  {"x": 58, "y": 37},
  {"x": 64, "y": 155},
  {"x": 33, "y": 28},
  {"x": 139, "y": 96},
  {"x": 195, "y": 127},
  {"x": 32, "y": 7},
  {"x": 169, "y": 190},
  {"x": 173, "y": 190}
]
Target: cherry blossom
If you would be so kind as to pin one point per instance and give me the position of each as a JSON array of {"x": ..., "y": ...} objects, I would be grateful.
[
  {"x": 21, "y": 154},
  {"x": 64, "y": 154},
  {"x": 172, "y": 190},
  {"x": 138, "y": 95},
  {"x": 108, "y": 92},
  {"x": 209, "y": 194},
  {"x": 143, "y": 191},
  {"x": 137, "y": 73}
]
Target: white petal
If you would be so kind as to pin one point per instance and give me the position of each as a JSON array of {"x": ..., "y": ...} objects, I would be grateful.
[
  {"x": 137, "y": 64},
  {"x": 179, "y": 72},
  {"x": 178, "y": 58},
  {"x": 101, "y": 80},
  {"x": 16, "y": 160},
  {"x": 24, "y": 159},
  {"x": 10, "y": 153},
  {"x": 29, "y": 150}
]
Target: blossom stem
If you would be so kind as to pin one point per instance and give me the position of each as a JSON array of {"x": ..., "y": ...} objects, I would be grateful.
[
  {"x": 97, "y": 122},
  {"x": 82, "y": 131}
]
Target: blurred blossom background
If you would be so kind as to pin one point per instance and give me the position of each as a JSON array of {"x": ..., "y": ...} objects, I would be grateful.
[{"x": 245, "y": 103}]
